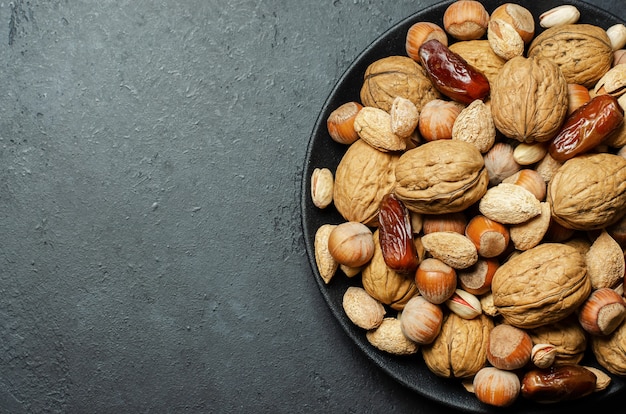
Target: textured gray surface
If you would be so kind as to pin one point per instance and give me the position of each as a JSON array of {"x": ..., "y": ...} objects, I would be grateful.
[{"x": 151, "y": 257}]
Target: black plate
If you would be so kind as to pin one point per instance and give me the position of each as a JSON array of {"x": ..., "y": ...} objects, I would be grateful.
[{"x": 324, "y": 152}]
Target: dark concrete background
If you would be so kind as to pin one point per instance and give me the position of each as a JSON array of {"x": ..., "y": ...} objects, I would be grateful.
[{"x": 151, "y": 256}]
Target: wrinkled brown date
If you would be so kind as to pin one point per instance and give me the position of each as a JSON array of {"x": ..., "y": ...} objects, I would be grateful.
[
  {"x": 396, "y": 235},
  {"x": 587, "y": 127},
  {"x": 451, "y": 74},
  {"x": 555, "y": 384}
]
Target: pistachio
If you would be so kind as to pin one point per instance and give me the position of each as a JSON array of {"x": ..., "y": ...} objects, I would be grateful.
[
  {"x": 326, "y": 263},
  {"x": 464, "y": 304},
  {"x": 322, "y": 183},
  {"x": 543, "y": 355},
  {"x": 558, "y": 16},
  {"x": 617, "y": 34}
]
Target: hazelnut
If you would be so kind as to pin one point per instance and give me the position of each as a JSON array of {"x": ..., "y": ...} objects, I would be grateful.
[
  {"x": 602, "y": 312},
  {"x": 351, "y": 244},
  {"x": 490, "y": 237},
  {"x": 619, "y": 57},
  {"x": 421, "y": 320},
  {"x": 500, "y": 162},
  {"x": 477, "y": 278},
  {"x": 496, "y": 387},
  {"x": 435, "y": 280},
  {"x": 577, "y": 95},
  {"x": 437, "y": 119},
  {"x": 517, "y": 16},
  {"x": 509, "y": 348},
  {"x": 420, "y": 33},
  {"x": 466, "y": 20},
  {"x": 444, "y": 222},
  {"x": 531, "y": 180},
  {"x": 340, "y": 123}
]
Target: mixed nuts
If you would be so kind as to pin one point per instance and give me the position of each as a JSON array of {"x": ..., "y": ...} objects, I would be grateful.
[{"x": 483, "y": 189}]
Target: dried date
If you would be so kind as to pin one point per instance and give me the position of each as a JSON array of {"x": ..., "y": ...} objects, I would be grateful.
[
  {"x": 452, "y": 75},
  {"x": 587, "y": 127},
  {"x": 396, "y": 235},
  {"x": 555, "y": 384}
]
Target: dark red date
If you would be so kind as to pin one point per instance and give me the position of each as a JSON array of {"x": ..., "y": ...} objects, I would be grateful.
[
  {"x": 587, "y": 127},
  {"x": 396, "y": 235},
  {"x": 452, "y": 75},
  {"x": 555, "y": 384}
]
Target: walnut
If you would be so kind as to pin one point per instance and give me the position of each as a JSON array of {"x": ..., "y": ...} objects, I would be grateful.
[
  {"x": 589, "y": 191},
  {"x": 529, "y": 99},
  {"x": 385, "y": 285},
  {"x": 610, "y": 350},
  {"x": 393, "y": 76},
  {"x": 567, "y": 336},
  {"x": 364, "y": 175},
  {"x": 460, "y": 349},
  {"x": 583, "y": 52},
  {"x": 443, "y": 176},
  {"x": 541, "y": 285},
  {"x": 480, "y": 55}
]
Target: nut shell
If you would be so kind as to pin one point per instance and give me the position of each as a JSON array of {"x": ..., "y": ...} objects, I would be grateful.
[
  {"x": 540, "y": 286},
  {"x": 363, "y": 177},
  {"x": 583, "y": 52},
  {"x": 460, "y": 349},
  {"x": 529, "y": 99},
  {"x": 363, "y": 310},
  {"x": 385, "y": 285},
  {"x": 444, "y": 176},
  {"x": 589, "y": 191},
  {"x": 393, "y": 76}
]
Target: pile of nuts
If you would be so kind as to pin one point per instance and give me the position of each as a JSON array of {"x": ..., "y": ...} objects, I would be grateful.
[{"x": 483, "y": 189}]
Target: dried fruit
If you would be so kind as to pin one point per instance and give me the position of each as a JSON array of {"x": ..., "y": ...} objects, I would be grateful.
[
  {"x": 451, "y": 74},
  {"x": 396, "y": 235},
  {"x": 556, "y": 384},
  {"x": 587, "y": 127}
]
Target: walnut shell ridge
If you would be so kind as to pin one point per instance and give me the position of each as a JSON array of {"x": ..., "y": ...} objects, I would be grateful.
[
  {"x": 583, "y": 52},
  {"x": 540, "y": 286},
  {"x": 364, "y": 175},
  {"x": 393, "y": 76},
  {"x": 443, "y": 176},
  {"x": 588, "y": 192},
  {"x": 529, "y": 99}
]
